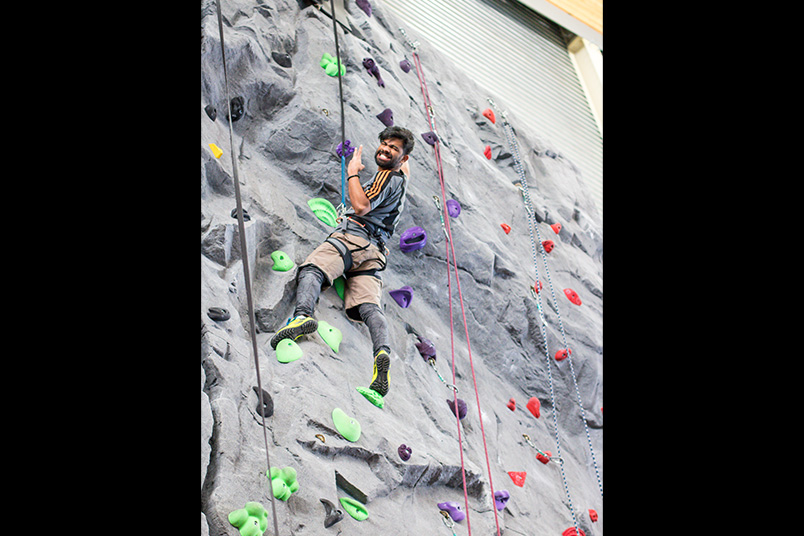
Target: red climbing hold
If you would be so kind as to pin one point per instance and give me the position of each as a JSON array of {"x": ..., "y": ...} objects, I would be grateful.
[
  {"x": 487, "y": 151},
  {"x": 537, "y": 286},
  {"x": 592, "y": 515},
  {"x": 556, "y": 227},
  {"x": 542, "y": 458},
  {"x": 518, "y": 477},
  {"x": 511, "y": 404},
  {"x": 572, "y": 296},
  {"x": 562, "y": 354},
  {"x": 571, "y": 532},
  {"x": 548, "y": 245},
  {"x": 506, "y": 227},
  {"x": 489, "y": 115},
  {"x": 533, "y": 406}
]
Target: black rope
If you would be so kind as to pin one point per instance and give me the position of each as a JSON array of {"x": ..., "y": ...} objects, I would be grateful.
[
  {"x": 340, "y": 89},
  {"x": 244, "y": 255}
]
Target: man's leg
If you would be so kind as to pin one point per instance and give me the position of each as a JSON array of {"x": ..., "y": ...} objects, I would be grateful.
[{"x": 374, "y": 319}]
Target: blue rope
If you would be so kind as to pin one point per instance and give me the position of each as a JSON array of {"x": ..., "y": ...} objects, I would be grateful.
[{"x": 343, "y": 177}]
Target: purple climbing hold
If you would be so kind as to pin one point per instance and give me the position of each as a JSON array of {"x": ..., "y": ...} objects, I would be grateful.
[
  {"x": 345, "y": 149},
  {"x": 430, "y": 137},
  {"x": 405, "y": 65},
  {"x": 453, "y": 208},
  {"x": 501, "y": 498},
  {"x": 461, "y": 407},
  {"x": 372, "y": 68},
  {"x": 404, "y": 452},
  {"x": 387, "y": 117},
  {"x": 402, "y": 296},
  {"x": 453, "y": 509},
  {"x": 412, "y": 239},
  {"x": 426, "y": 349},
  {"x": 364, "y": 5}
]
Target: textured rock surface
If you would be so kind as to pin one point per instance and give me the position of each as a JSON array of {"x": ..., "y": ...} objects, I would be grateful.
[{"x": 285, "y": 144}]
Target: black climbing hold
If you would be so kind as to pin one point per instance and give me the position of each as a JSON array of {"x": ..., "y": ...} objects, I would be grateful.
[
  {"x": 333, "y": 515},
  {"x": 218, "y": 314},
  {"x": 281, "y": 58},
  {"x": 246, "y": 217},
  {"x": 237, "y": 108},
  {"x": 211, "y": 111},
  {"x": 266, "y": 407}
]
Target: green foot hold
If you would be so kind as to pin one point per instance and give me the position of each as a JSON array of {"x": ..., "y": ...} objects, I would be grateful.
[
  {"x": 331, "y": 335},
  {"x": 345, "y": 425},
  {"x": 372, "y": 396},
  {"x": 354, "y": 508},
  {"x": 283, "y": 482},
  {"x": 251, "y": 520},
  {"x": 287, "y": 350},
  {"x": 323, "y": 210},
  {"x": 330, "y": 65},
  {"x": 339, "y": 284},
  {"x": 282, "y": 262}
]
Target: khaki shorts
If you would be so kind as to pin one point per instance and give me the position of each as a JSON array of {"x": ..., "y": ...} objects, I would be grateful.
[{"x": 359, "y": 289}]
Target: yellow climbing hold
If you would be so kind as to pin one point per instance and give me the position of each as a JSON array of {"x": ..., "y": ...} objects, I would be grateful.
[{"x": 215, "y": 150}]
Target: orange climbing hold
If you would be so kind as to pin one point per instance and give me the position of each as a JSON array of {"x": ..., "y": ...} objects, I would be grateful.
[
  {"x": 506, "y": 227},
  {"x": 489, "y": 115},
  {"x": 572, "y": 296},
  {"x": 561, "y": 355},
  {"x": 548, "y": 245}
]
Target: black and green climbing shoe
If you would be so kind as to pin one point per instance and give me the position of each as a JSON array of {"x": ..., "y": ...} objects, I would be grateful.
[
  {"x": 379, "y": 382},
  {"x": 296, "y": 327}
]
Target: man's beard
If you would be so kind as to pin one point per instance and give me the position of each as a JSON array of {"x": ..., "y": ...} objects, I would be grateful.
[{"x": 386, "y": 164}]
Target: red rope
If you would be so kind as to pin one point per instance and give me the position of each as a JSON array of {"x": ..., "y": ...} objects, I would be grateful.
[{"x": 451, "y": 245}]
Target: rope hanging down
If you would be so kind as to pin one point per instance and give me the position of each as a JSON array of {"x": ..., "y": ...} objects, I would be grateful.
[
  {"x": 532, "y": 225},
  {"x": 342, "y": 207},
  {"x": 241, "y": 226},
  {"x": 450, "y": 245}
]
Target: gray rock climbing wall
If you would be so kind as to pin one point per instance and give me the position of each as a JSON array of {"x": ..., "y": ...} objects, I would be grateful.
[{"x": 285, "y": 148}]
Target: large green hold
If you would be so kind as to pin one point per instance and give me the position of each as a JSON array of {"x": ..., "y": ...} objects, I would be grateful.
[
  {"x": 331, "y": 335},
  {"x": 345, "y": 425},
  {"x": 354, "y": 508},
  {"x": 283, "y": 482},
  {"x": 287, "y": 351},
  {"x": 282, "y": 262},
  {"x": 323, "y": 210},
  {"x": 372, "y": 396},
  {"x": 251, "y": 520},
  {"x": 330, "y": 65}
]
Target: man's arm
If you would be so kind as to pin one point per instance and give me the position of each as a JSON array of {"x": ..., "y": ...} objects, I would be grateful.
[{"x": 357, "y": 196}]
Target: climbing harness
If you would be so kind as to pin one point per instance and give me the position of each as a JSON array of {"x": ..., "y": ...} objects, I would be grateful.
[
  {"x": 243, "y": 248},
  {"x": 450, "y": 248}
]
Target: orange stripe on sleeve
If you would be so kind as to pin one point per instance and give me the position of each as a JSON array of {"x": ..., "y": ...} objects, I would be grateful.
[{"x": 379, "y": 183}]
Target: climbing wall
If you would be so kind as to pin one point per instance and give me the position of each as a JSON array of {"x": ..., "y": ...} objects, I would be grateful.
[{"x": 525, "y": 346}]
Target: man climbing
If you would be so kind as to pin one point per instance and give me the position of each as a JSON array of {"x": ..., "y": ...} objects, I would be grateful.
[{"x": 356, "y": 250}]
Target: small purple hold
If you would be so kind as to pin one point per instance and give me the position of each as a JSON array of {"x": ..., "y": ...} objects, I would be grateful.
[
  {"x": 430, "y": 137},
  {"x": 372, "y": 68},
  {"x": 412, "y": 239},
  {"x": 402, "y": 296},
  {"x": 405, "y": 65},
  {"x": 387, "y": 117},
  {"x": 461, "y": 407},
  {"x": 501, "y": 498},
  {"x": 404, "y": 452},
  {"x": 364, "y": 5},
  {"x": 345, "y": 149},
  {"x": 426, "y": 349},
  {"x": 453, "y": 509},
  {"x": 453, "y": 208}
]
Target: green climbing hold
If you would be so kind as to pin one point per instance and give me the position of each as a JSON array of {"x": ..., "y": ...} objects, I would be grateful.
[
  {"x": 282, "y": 262},
  {"x": 330, "y": 65},
  {"x": 251, "y": 520},
  {"x": 323, "y": 210},
  {"x": 331, "y": 335},
  {"x": 283, "y": 482},
  {"x": 339, "y": 285},
  {"x": 345, "y": 425},
  {"x": 354, "y": 508},
  {"x": 287, "y": 351},
  {"x": 372, "y": 396}
]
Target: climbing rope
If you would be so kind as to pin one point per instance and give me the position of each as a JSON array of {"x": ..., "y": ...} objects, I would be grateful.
[
  {"x": 450, "y": 245},
  {"x": 532, "y": 225},
  {"x": 244, "y": 255},
  {"x": 342, "y": 207}
]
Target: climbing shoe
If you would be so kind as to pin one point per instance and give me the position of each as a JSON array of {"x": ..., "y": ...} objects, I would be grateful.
[
  {"x": 379, "y": 381},
  {"x": 295, "y": 328}
]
